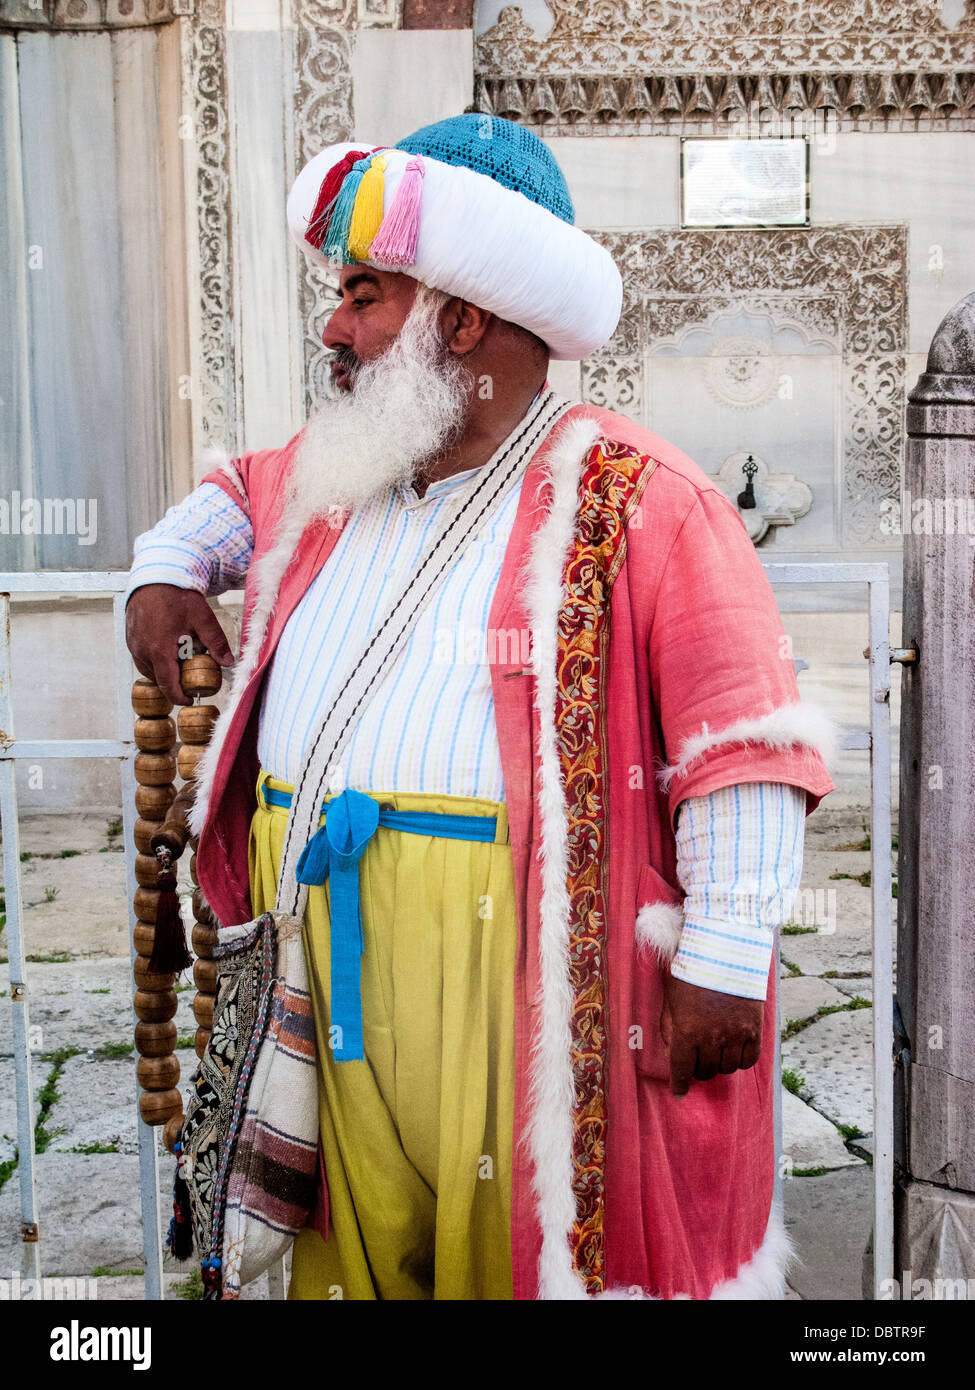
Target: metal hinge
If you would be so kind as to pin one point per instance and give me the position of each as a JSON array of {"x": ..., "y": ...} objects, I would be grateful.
[{"x": 906, "y": 656}]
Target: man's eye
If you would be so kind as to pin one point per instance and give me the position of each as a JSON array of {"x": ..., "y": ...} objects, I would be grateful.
[{"x": 358, "y": 302}]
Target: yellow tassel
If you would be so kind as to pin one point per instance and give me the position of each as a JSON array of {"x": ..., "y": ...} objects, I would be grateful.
[{"x": 367, "y": 213}]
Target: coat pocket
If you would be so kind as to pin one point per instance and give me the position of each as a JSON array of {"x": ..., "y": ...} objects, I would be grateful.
[{"x": 657, "y": 929}]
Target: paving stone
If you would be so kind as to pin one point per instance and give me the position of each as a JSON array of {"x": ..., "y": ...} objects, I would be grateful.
[
  {"x": 8, "y": 1103},
  {"x": 65, "y": 1011},
  {"x": 90, "y": 1218},
  {"x": 848, "y": 948},
  {"x": 862, "y": 987},
  {"x": 808, "y": 1138},
  {"x": 90, "y": 1213},
  {"x": 835, "y": 1055},
  {"x": 829, "y": 1219},
  {"x": 801, "y": 995},
  {"x": 50, "y": 833},
  {"x": 97, "y": 1102},
  {"x": 89, "y": 912}
]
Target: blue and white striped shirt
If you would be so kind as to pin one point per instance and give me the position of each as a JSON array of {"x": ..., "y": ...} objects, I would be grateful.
[{"x": 430, "y": 727}]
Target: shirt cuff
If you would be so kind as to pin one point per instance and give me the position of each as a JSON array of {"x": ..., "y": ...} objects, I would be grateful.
[
  {"x": 730, "y": 960},
  {"x": 167, "y": 565}
]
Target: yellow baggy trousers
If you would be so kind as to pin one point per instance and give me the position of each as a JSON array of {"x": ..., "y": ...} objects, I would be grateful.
[{"x": 417, "y": 1137}]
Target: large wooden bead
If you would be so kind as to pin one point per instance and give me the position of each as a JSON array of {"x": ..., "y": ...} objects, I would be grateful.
[
  {"x": 143, "y": 937},
  {"x": 155, "y": 1039},
  {"x": 201, "y": 1040},
  {"x": 205, "y": 976},
  {"x": 200, "y": 675},
  {"x": 155, "y": 1006},
  {"x": 203, "y": 1010},
  {"x": 193, "y": 870},
  {"x": 149, "y": 979},
  {"x": 195, "y": 722},
  {"x": 155, "y": 735},
  {"x": 158, "y": 1073},
  {"x": 146, "y": 870},
  {"x": 152, "y": 803},
  {"x": 201, "y": 909},
  {"x": 148, "y": 700},
  {"x": 204, "y": 940},
  {"x": 154, "y": 769},
  {"x": 187, "y": 758},
  {"x": 172, "y": 1131},
  {"x": 146, "y": 902},
  {"x": 142, "y": 833},
  {"x": 156, "y": 1107}
]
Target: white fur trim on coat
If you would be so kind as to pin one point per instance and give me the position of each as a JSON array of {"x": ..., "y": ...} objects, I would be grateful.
[
  {"x": 805, "y": 724},
  {"x": 761, "y": 1277},
  {"x": 658, "y": 929}
]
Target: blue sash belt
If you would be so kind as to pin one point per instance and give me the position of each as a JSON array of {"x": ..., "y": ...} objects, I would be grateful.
[{"x": 333, "y": 852}]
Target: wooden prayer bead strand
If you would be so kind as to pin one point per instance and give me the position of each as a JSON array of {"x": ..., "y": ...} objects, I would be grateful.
[
  {"x": 155, "y": 1000},
  {"x": 201, "y": 677}
]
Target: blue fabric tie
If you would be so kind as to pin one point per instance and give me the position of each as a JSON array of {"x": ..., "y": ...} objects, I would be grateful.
[{"x": 333, "y": 852}]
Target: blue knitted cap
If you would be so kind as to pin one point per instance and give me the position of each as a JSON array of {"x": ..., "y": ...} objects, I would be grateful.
[{"x": 510, "y": 154}]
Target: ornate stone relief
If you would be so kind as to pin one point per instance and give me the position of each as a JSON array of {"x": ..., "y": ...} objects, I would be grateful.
[
  {"x": 729, "y": 36},
  {"x": 741, "y": 372},
  {"x": 776, "y": 103},
  {"x": 204, "y": 61},
  {"x": 847, "y": 285},
  {"x": 669, "y": 65},
  {"x": 780, "y": 498},
  {"x": 90, "y": 14},
  {"x": 323, "y": 116}
]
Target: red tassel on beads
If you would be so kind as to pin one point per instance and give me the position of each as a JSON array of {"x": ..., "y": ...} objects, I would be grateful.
[
  {"x": 327, "y": 194},
  {"x": 169, "y": 953}
]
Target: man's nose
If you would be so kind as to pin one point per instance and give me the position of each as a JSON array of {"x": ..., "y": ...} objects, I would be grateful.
[{"x": 336, "y": 333}]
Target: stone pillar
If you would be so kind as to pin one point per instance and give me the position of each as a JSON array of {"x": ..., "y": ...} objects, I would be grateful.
[{"x": 935, "y": 1200}]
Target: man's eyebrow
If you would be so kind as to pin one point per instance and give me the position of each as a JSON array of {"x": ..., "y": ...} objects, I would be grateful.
[{"x": 362, "y": 277}]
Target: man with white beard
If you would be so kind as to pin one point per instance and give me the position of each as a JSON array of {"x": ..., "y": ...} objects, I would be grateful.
[{"x": 537, "y": 992}]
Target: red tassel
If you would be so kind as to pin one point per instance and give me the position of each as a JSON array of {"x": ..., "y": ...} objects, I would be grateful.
[
  {"x": 169, "y": 953},
  {"x": 327, "y": 194}
]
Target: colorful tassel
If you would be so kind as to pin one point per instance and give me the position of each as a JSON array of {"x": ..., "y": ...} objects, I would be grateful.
[
  {"x": 335, "y": 245},
  {"x": 367, "y": 213},
  {"x": 327, "y": 194},
  {"x": 395, "y": 242}
]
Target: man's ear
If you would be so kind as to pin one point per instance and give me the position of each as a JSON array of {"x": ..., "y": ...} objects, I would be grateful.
[{"x": 464, "y": 325}]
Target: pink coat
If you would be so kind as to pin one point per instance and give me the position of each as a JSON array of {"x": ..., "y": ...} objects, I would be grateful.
[{"x": 696, "y": 654}]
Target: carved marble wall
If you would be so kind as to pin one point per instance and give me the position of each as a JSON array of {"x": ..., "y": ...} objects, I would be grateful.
[
  {"x": 842, "y": 288},
  {"x": 321, "y": 113},
  {"x": 626, "y": 65}
]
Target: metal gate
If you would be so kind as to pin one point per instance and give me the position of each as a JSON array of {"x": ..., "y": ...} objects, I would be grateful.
[{"x": 875, "y": 737}]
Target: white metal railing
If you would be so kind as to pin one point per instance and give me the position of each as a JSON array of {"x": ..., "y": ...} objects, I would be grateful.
[
  {"x": 108, "y": 584},
  {"x": 112, "y": 584}
]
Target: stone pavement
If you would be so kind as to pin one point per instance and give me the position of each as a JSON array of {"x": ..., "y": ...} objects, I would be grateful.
[{"x": 83, "y": 1062}]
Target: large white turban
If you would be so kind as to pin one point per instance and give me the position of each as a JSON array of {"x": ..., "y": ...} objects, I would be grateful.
[{"x": 483, "y": 212}]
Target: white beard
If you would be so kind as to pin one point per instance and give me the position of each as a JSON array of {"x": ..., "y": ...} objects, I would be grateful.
[{"x": 404, "y": 407}]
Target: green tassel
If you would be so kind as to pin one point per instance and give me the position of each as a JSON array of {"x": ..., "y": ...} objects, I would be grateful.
[{"x": 336, "y": 244}]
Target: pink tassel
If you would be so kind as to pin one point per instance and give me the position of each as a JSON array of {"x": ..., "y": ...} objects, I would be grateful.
[{"x": 395, "y": 242}]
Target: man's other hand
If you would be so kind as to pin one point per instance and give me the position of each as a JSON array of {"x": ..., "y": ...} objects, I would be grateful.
[
  {"x": 708, "y": 1033},
  {"x": 156, "y": 617}
]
